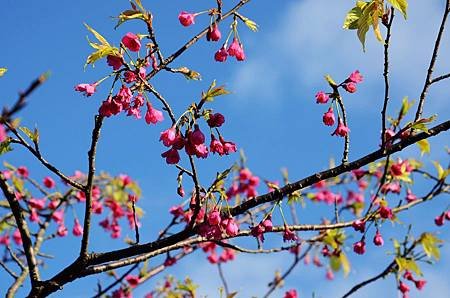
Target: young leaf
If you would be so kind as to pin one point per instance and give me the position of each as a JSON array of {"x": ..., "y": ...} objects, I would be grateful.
[
  {"x": 214, "y": 91},
  {"x": 442, "y": 174},
  {"x": 352, "y": 17},
  {"x": 97, "y": 35},
  {"x": 407, "y": 264},
  {"x": 330, "y": 81},
  {"x": 430, "y": 244},
  {"x": 406, "y": 105},
  {"x": 424, "y": 146},
  {"x": 5, "y": 147},
  {"x": 33, "y": 135},
  {"x": 401, "y": 5},
  {"x": 3, "y": 71}
]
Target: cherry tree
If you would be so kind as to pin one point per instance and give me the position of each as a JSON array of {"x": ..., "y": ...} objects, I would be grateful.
[{"x": 232, "y": 210}]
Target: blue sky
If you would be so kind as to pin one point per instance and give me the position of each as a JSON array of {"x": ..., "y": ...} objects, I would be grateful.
[{"x": 273, "y": 99}]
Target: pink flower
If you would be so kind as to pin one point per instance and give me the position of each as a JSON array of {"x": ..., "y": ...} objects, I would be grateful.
[
  {"x": 410, "y": 197},
  {"x": 228, "y": 147},
  {"x": 291, "y": 294},
  {"x": 216, "y": 146},
  {"x": 132, "y": 42},
  {"x": 172, "y": 156},
  {"x": 197, "y": 137},
  {"x": 359, "y": 225},
  {"x": 420, "y": 284},
  {"x": 213, "y": 33},
  {"x": 288, "y": 235},
  {"x": 403, "y": 287},
  {"x": 341, "y": 130},
  {"x": 234, "y": 48},
  {"x": 439, "y": 220},
  {"x": 58, "y": 216},
  {"x": 114, "y": 61},
  {"x": 129, "y": 77},
  {"x": 2, "y": 133},
  {"x": 88, "y": 89},
  {"x": 216, "y": 120},
  {"x": 221, "y": 55},
  {"x": 34, "y": 216},
  {"x": 17, "y": 237},
  {"x": 132, "y": 280},
  {"x": 4, "y": 239},
  {"x": 385, "y": 212},
  {"x": 359, "y": 247},
  {"x": 355, "y": 77},
  {"x": 49, "y": 182},
  {"x": 153, "y": 115},
  {"x": 23, "y": 171},
  {"x": 328, "y": 117},
  {"x": 186, "y": 19},
  {"x": 77, "y": 228},
  {"x": 169, "y": 261},
  {"x": 322, "y": 97},
  {"x": 61, "y": 231},
  {"x": 213, "y": 258},
  {"x": 230, "y": 226},
  {"x": 214, "y": 218},
  {"x": 378, "y": 239},
  {"x": 329, "y": 275},
  {"x": 350, "y": 87},
  {"x": 168, "y": 136}
]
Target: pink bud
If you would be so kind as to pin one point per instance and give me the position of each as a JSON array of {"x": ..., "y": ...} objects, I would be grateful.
[
  {"x": 114, "y": 61},
  {"x": 328, "y": 117},
  {"x": 359, "y": 247},
  {"x": 186, "y": 19},
  {"x": 378, "y": 239},
  {"x": 153, "y": 115},
  {"x": 221, "y": 55},
  {"x": 322, "y": 97},
  {"x": 350, "y": 87},
  {"x": 77, "y": 228},
  {"x": 88, "y": 89},
  {"x": 355, "y": 77},
  {"x": 49, "y": 182},
  {"x": 172, "y": 156},
  {"x": 197, "y": 137},
  {"x": 216, "y": 120},
  {"x": 213, "y": 33},
  {"x": 291, "y": 294},
  {"x": 132, "y": 42},
  {"x": 341, "y": 130}
]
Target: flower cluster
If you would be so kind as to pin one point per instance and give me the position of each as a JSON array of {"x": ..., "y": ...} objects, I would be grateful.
[
  {"x": 404, "y": 288},
  {"x": 234, "y": 49},
  {"x": 329, "y": 118}
]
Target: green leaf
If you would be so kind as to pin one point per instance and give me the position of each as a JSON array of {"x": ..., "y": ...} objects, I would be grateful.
[
  {"x": 364, "y": 23},
  {"x": 97, "y": 35},
  {"x": 424, "y": 146},
  {"x": 214, "y": 91},
  {"x": 330, "y": 81},
  {"x": 33, "y": 135},
  {"x": 250, "y": 24},
  {"x": 400, "y": 5},
  {"x": 5, "y": 147},
  {"x": 188, "y": 73},
  {"x": 130, "y": 15},
  {"x": 103, "y": 49},
  {"x": 3, "y": 71},
  {"x": 232, "y": 295},
  {"x": 406, "y": 106},
  {"x": 442, "y": 174},
  {"x": 430, "y": 245},
  {"x": 352, "y": 17},
  {"x": 407, "y": 264},
  {"x": 345, "y": 263}
]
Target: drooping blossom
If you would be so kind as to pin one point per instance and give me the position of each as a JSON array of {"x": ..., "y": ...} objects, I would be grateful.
[
  {"x": 328, "y": 118},
  {"x": 341, "y": 130},
  {"x": 153, "y": 115},
  {"x": 186, "y": 19},
  {"x": 132, "y": 42},
  {"x": 322, "y": 97},
  {"x": 213, "y": 33},
  {"x": 221, "y": 55},
  {"x": 87, "y": 89}
]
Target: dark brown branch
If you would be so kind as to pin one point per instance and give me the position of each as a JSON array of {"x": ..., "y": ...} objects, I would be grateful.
[
  {"x": 428, "y": 80},
  {"x": 386, "y": 78},
  {"x": 89, "y": 183},
  {"x": 440, "y": 78},
  {"x": 23, "y": 229}
]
